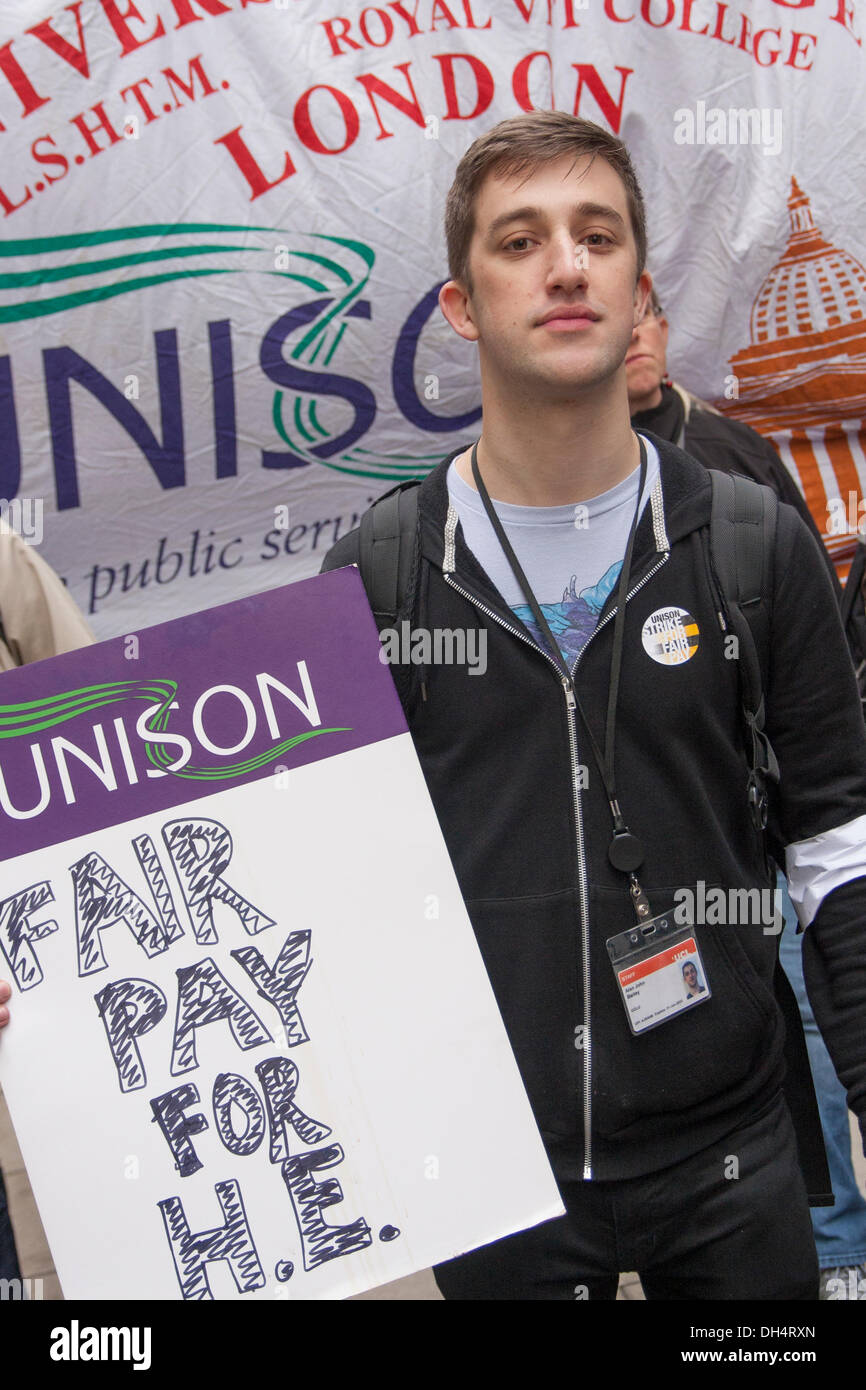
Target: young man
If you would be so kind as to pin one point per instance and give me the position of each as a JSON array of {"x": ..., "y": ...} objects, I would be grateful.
[{"x": 592, "y": 774}]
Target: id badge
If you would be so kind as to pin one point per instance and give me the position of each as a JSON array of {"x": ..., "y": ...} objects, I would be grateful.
[{"x": 659, "y": 971}]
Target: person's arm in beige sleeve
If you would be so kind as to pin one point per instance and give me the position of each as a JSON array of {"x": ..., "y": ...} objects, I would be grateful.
[{"x": 39, "y": 617}]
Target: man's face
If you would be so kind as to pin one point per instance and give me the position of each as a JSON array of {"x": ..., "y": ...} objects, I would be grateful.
[
  {"x": 553, "y": 264},
  {"x": 646, "y": 362},
  {"x": 690, "y": 975}
]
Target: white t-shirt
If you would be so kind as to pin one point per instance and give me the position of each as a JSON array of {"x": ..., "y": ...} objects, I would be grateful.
[{"x": 571, "y": 555}]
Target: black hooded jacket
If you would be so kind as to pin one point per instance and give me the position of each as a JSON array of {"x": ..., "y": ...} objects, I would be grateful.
[{"x": 527, "y": 823}]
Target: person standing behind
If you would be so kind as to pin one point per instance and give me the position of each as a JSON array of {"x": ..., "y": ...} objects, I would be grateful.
[
  {"x": 38, "y": 619},
  {"x": 667, "y": 409}
]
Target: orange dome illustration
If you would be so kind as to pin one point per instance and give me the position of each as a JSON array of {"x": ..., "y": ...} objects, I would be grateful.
[{"x": 802, "y": 379}]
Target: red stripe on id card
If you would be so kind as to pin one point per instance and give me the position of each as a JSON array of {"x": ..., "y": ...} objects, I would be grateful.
[{"x": 653, "y": 963}]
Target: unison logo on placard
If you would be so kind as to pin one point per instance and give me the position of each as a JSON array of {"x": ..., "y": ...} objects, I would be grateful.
[{"x": 111, "y": 752}]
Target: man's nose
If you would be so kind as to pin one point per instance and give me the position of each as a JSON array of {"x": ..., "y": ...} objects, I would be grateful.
[{"x": 569, "y": 263}]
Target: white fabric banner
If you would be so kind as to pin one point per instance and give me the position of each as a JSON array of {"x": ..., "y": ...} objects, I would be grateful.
[{"x": 222, "y": 245}]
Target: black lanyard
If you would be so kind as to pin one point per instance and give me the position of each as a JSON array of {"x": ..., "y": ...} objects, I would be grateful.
[{"x": 625, "y": 851}]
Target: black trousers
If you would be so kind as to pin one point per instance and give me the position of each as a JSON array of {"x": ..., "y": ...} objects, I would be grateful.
[{"x": 730, "y": 1222}]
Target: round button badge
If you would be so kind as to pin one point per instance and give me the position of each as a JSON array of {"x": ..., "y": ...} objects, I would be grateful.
[{"x": 670, "y": 636}]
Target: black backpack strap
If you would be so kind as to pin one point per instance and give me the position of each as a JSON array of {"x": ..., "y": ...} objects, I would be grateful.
[
  {"x": 852, "y": 594},
  {"x": 388, "y": 550},
  {"x": 742, "y": 540},
  {"x": 854, "y": 616}
]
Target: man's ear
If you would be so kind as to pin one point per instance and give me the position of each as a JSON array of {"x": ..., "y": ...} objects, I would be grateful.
[
  {"x": 456, "y": 305},
  {"x": 642, "y": 291}
]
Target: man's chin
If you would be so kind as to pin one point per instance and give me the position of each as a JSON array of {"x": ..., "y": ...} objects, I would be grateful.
[
  {"x": 536, "y": 384},
  {"x": 573, "y": 386}
]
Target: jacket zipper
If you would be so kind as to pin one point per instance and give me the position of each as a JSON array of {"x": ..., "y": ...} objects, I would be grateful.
[
  {"x": 584, "y": 893},
  {"x": 567, "y": 683}
]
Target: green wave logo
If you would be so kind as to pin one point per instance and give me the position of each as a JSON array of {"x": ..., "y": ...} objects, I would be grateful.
[
  {"x": 17, "y": 721},
  {"x": 86, "y": 265},
  {"x": 70, "y": 271}
]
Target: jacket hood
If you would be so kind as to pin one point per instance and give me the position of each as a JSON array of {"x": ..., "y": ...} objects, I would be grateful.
[{"x": 686, "y": 492}]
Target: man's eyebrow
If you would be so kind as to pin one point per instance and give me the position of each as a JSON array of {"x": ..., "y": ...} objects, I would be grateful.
[{"x": 533, "y": 214}]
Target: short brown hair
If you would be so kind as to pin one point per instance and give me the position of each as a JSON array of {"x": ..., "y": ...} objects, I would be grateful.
[{"x": 517, "y": 146}]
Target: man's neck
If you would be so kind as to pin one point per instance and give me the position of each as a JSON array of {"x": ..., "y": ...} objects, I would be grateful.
[{"x": 553, "y": 456}]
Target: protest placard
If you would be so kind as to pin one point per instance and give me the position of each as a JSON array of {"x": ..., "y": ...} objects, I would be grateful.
[{"x": 253, "y": 1048}]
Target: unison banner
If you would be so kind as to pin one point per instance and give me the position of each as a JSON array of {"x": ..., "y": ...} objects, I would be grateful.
[
  {"x": 254, "y": 1049},
  {"x": 222, "y": 249}
]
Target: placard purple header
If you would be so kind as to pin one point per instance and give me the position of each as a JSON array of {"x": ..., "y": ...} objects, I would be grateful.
[{"x": 155, "y": 719}]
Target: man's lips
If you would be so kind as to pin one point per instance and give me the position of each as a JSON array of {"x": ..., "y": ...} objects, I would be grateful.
[{"x": 570, "y": 317}]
